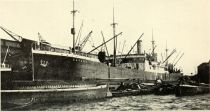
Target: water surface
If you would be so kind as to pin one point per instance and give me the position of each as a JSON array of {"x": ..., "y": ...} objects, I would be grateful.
[{"x": 145, "y": 102}]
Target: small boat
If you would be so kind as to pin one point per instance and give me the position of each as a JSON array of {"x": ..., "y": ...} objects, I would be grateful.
[
  {"x": 188, "y": 87},
  {"x": 190, "y": 90},
  {"x": 24, "y": 96},
  {"x": 131, "y": 92},
  {"x": 165, "y": 89},
  {"x": 132, "y": 89}
]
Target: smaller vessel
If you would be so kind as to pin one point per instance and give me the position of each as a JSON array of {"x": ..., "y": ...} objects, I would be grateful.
[
  {"x": 133, "y": 89},
  {"x": 28, "y": 95},
  {"x": 165, "y": 88},
  {"x": 190, "y": 90},
  {"x": 188, "y": 87}
]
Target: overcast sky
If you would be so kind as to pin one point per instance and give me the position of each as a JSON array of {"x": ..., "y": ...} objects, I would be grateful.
[{"x": 184, "y": 24}]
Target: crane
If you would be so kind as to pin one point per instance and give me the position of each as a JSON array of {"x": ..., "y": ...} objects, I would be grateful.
[
  {"x": 178, "y": 59},
  {"x": 11, "y": 34},
  {"x": 82, "y": 44},
  {"x": 79, "y": 33},
  {"x": 133, "y": 46},
  {"x": 169, "y": 55},
  {"x": 105, "y": 42}
]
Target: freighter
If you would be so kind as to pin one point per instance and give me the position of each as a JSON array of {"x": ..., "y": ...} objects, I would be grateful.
[
  {"x": 38, "y": 70},
  {"x": 39, "y": 61},
  {"x": 36, "y": 61}
]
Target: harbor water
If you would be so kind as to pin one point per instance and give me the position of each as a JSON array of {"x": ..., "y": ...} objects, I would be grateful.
[{"x": 144, "y": 102}]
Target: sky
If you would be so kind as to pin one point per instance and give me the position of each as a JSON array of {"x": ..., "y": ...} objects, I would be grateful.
[{"x": 183, "y": 24}]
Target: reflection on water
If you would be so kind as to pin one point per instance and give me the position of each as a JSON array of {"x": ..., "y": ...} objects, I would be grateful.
[{"x": 146, "y": 102}]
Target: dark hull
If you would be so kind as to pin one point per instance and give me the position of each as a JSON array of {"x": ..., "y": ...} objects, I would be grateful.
[
  {"x": 190, "y": 90},
  {"x": 71, "y": 68},
  {"x": 23, "y": 98}
]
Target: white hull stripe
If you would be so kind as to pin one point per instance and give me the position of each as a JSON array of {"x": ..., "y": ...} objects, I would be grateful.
[
  {"x": 65, "y": 55},
  {"x": 55, "y": 90}
]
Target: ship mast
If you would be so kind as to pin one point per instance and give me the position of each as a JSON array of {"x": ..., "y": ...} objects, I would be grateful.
[
  {"x": 115, "y": 39},
  {"x": 166, "y": 53},
  {"x": 73, "y": 27},
  {"x": 153, "y": 44}
]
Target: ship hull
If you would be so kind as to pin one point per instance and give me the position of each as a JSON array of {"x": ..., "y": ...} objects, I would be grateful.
[
  {"x": 57, "y": 67},
  {"x": 24, "y": 97}
]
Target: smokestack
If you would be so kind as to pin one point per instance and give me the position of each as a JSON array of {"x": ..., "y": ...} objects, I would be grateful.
[{"x": 139, "y": 46}]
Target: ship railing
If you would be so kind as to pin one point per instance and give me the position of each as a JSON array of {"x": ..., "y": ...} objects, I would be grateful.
[
  {"x": 86, "y": 54},
  {"x": 62, "y": 50},
  {"x": 50, "y": 48}
]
